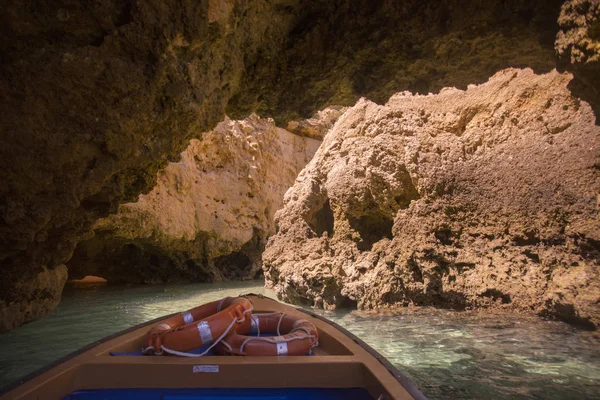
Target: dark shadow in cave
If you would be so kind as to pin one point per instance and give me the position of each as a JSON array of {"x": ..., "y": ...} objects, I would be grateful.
[
  {"x": 236, "y": 265},
  {"x": 348, "y": 304},
  {"x": 496, "y": 295},
  {"x": 125, "y": 262},
  {"x": 567, "y": 313},
  {"x": 372, "y": 228},
  {"x": 584, "y": 84},
  {"x": 323, "y": 220}
]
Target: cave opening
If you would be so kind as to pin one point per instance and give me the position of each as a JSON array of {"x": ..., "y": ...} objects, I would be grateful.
[
  {"x": 348, "y": 303},
  {"x": 235, "y": 266},
  {"x": 372, "y": 228},
  {"x": 323, "y": 220},
  {"x": 88, "y": 281}
]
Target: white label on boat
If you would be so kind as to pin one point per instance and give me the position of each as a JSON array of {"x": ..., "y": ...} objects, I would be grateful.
[
  {"x": 282, "y": 349},
  {"x": 205, "y": 368}
]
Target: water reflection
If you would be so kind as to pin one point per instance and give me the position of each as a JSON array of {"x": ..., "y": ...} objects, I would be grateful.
[
  {"x": 454, "y": 355},
  {"x": 449, "y": 355}
]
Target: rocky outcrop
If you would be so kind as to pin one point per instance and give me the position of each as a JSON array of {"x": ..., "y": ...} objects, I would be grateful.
[
  {"x": 209, "y": 215},
  {"x": 483, "y": 197},
  {"x": 578, "y": 47},
  {"x": 44, "y": 295},
  {"x": 318, "y": 125},
  {"x": 341, "y": 50},
  {"x": 96, "y": 98}
]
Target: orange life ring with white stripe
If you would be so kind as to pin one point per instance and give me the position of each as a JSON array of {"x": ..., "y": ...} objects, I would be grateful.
[
  {"x": 192, "y": 329},
  {"x": 295, "y": 337}
]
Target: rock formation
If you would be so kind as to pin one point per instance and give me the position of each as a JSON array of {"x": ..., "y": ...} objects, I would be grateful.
[
  {"x": 578, "y": 47},
  {"x": 96, "y": 98},
  {"x": 45, "y": 292},
  {"x": 209, "y": 215},
  {"x": 488, "y": 196}
]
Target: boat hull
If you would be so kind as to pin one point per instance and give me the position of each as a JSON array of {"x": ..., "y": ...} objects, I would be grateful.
[{"x": 340, "y": 362}]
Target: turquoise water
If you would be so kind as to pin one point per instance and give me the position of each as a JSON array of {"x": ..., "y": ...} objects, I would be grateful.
[{"x": 448, "y": 355}]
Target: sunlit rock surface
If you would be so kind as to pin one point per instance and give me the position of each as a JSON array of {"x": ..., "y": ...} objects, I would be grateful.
[
  {"x": 481, "y": 197},
  {"x": 209, "y": 215}
]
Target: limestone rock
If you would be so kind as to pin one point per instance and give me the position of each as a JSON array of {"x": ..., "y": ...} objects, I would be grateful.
[
  {"x": 98, "y": 97},
  {"x": 317, "y": 126},
  {"x": 209, "y": 215},
  {"x": 578, "y": 47},
  {"x": 483, "y": 197},
  {"x": 343, "y": 50},
  {"x": 45, "y": 292}
]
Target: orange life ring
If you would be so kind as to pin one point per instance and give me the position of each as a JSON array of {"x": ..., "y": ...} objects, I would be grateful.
[
  {"x": 295, "y": 337},
  {"x": 206, "y": 324}
]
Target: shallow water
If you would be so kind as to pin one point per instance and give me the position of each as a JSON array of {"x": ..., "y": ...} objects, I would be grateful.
[{"x": 448, "y": 355}]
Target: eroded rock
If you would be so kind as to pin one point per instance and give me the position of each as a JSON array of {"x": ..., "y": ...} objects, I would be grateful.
[
  {"x": 578, "y": 47},
  {"x": 44, "y": 289},
  {"x": 97, "y": 97},
  {"x": 209, "y": 215},
  {"x": 481, "y": 197},
  {"x": 318, "y": 125}
]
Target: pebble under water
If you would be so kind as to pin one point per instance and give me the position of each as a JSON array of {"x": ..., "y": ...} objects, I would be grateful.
[{"x": 447, "y": 354}]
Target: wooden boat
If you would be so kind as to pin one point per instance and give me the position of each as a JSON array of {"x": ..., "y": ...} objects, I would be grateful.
[{"x": 342, "y": 367}]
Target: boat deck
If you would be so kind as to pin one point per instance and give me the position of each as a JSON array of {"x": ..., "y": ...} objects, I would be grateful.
[{"x": 341, "y": 361}]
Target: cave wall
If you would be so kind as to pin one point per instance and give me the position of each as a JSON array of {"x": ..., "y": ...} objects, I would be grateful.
[
  {"x": 483, "y": 197},
  {"x": 209, "y": 216},
  {"x": 343, "y": 50},
  {"x": 96, "y": 98},
  {"x": 578, "y": 48}
]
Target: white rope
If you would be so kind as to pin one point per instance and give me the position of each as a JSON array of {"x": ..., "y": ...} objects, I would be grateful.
[
  {"x": 146, "y": 349},
  {"x": 246, "y": 312},
  {"x": 267, "y": 339},
  {"x": 298, "y": 322},
  {"x": 228, "y": 346},
  {"x": 184, "y": 354},
  {"x": 303, "y": 329},
  {"x": 279, "y": 323}
]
